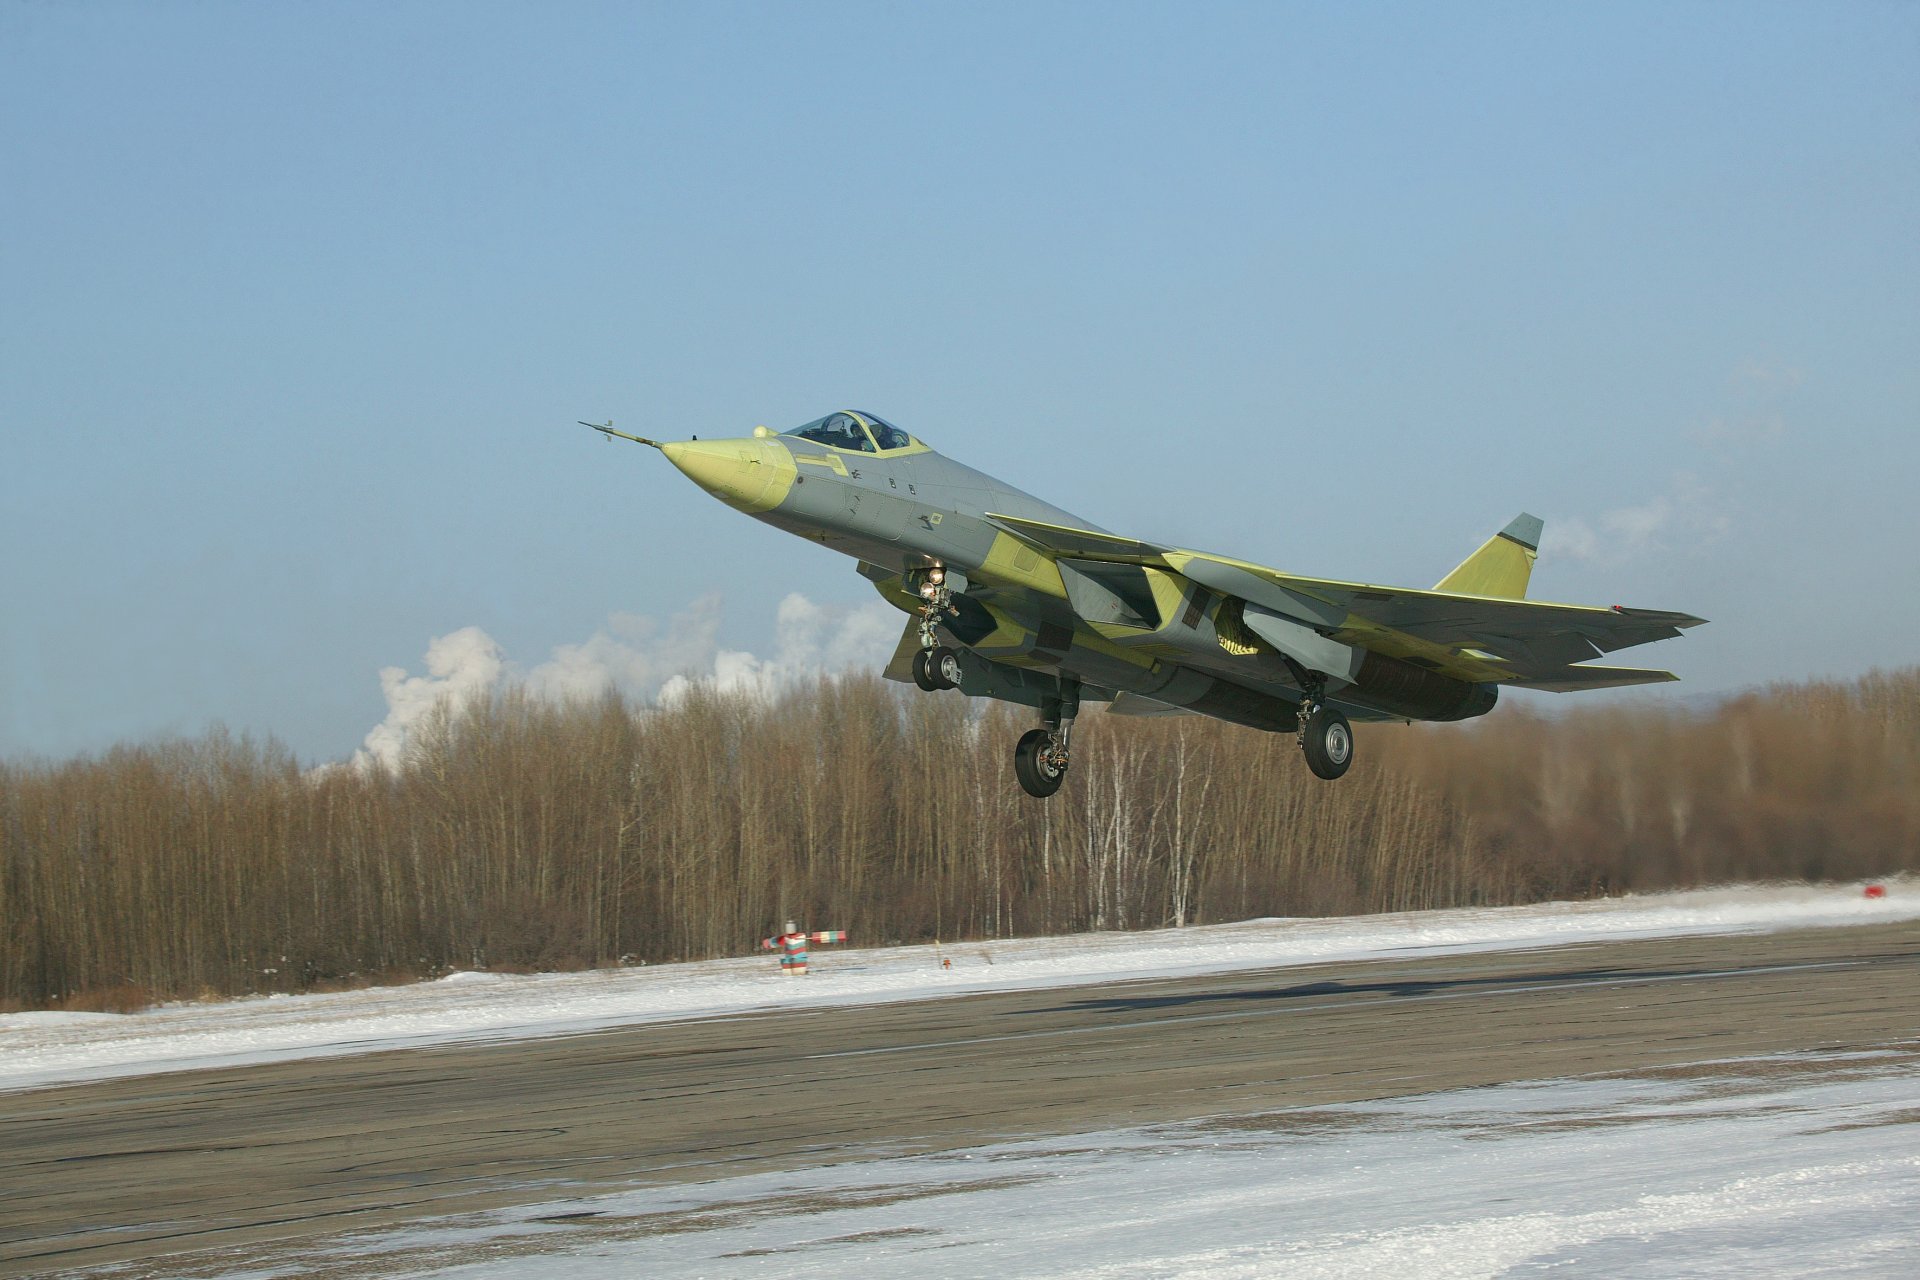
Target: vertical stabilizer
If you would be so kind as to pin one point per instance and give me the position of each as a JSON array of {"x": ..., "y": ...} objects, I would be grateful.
[{"x": 1502, "y": 565}]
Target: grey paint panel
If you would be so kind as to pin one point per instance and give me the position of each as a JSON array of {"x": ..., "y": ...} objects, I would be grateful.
[
  {"x": 980, "y": 678},
  {"x": 1573, "y": 679},
  {"x": 1228, "y": 580},
  {"x": 1526, "y": 530},
  {"x": 900, "y": 665},
  {"x": 1134, "y": 704},
  {"x": 1303, "y": 644},
  {"x": 1113, "y": 593}
]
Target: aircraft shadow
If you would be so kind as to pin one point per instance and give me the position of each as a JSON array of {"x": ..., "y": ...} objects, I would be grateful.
[{"x": 1404, "y": 988}]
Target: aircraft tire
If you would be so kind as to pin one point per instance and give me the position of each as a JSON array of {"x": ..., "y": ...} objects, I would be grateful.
[
  {"x": 923, "y": 671},
  {"x": 1328, "y": 744},
  {"x": 1037, "y": 778},
  {"x": 943, "y": 668}
]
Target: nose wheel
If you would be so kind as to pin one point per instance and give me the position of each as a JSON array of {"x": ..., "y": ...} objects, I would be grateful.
[{"x": 936, "y": 668}]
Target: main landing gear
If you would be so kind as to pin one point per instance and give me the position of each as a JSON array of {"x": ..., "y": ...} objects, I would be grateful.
[
  {"x": 1326, "y": 739},
  {"x": 1040, "y": 759}
]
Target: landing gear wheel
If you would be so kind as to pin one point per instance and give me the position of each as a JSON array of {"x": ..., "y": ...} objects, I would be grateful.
[
  {"x": 1039, "y": 764},
  {"x": 936, "y": 668},
  {"x": 943, "y": 666},
  {"x": 1327, "y": 740}
]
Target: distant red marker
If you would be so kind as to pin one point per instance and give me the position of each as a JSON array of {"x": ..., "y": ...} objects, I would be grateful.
[{"x": 1876, "y": 891}]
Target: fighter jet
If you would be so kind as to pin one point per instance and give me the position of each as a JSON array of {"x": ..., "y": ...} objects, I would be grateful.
[{"x": 1013, "y": 598}]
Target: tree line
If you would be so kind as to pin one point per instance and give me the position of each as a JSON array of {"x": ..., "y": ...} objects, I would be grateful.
[{"x": 525, "y": 834}]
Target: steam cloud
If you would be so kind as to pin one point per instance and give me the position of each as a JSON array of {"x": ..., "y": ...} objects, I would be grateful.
[
  {"x": 638, "y": 657},
  {"x": 1688, "y": 512}
]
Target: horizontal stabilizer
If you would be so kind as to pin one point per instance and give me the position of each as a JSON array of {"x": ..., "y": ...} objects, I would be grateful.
[{"x": 1573, "y": 679}]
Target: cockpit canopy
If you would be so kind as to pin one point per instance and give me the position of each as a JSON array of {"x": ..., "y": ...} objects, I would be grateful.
[{"x": 854, "y": 429}]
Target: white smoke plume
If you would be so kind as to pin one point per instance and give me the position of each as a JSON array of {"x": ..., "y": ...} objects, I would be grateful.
[
  {"x": 808, "y": 639},
  {"x": 638, "y": 657},
  {"x": 1687, "y": 513},
  {"x": 459, "y": 665}
]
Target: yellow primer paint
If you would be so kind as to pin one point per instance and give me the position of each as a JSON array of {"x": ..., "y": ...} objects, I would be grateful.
[
  {"x": 1230, "y": 628},
  {"x": 1398, "y": 644},
  {"x": 1500, "y": 568},
  {"x": 1168, "y": 602},
  {"x": 831, "y": 461},
  {"x": 1012, "y": 563},
  {"x": 1356, "y": 629},
  {"x": 1087, "y": 636},
  {"x": 1009, "y": 635},
  {"x": 748, "y": 475},
  {"x": 1168, "y": 590}
]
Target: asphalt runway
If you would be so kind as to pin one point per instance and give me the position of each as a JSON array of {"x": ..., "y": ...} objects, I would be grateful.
[{"x": 257, "y": 1158}]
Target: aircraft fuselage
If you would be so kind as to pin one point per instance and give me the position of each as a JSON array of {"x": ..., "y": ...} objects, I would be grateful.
[{"x": 1027, "y": 618}]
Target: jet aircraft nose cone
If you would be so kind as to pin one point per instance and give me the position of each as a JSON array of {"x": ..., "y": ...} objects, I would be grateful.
[{"x": 752, "y": 475}]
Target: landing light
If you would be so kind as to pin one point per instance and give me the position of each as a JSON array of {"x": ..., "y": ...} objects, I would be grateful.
[
  {"x": 937, "y": 574},
  {"x": 928, "y": 590}
]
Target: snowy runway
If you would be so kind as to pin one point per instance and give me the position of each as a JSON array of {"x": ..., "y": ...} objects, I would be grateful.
[
  {"x": 1704, "y": 1084},
  {"x": 49, "y": 1048},
  {"x": 1777, "y": 1166}
]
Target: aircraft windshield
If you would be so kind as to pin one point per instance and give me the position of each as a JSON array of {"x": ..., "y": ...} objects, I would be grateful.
[
  {"x": 888, "y": 435},
  {"x": 841, "y": 430}
]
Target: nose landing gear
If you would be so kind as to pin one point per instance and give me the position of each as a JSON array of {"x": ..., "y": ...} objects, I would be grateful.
[
  {"x": 935, "y": 587},
  {"x": 936, "y": 667}
]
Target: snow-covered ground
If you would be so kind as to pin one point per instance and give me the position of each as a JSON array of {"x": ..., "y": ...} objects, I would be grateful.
[
  {"x": 50, "y": 1048},
  {"x": 1802, "y": 1165}
]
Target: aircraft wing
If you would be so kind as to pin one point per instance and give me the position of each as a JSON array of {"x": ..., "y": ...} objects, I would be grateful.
[
  {"x": 1082, "y": 544},
  {"x": 1574, "y": 679},
  {"x": 1462, "y": 621},
  {"x": 1529, "y": 643}
]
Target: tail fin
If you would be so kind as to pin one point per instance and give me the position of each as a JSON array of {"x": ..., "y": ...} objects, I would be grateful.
[{"x": 1502, "y": 565}]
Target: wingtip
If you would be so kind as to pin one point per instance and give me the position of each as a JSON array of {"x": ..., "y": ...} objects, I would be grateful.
[{"x": 1678, "y": 621}]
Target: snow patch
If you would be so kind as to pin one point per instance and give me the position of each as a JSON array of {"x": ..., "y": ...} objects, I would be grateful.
[
  {"x": 42, "y": 1049},
  {"x": 1782, "y": 1165}
]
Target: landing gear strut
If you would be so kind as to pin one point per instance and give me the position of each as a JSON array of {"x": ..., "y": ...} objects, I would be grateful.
[
  {"x": 936, "y": 602},
  {"x": 1040, "y": 759},
  {"x": 935, "y": 666},
  {"x": 1326, "y": 739}
]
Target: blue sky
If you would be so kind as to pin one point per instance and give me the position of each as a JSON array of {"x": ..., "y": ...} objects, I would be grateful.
[{"x": 299, "y": 303}]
